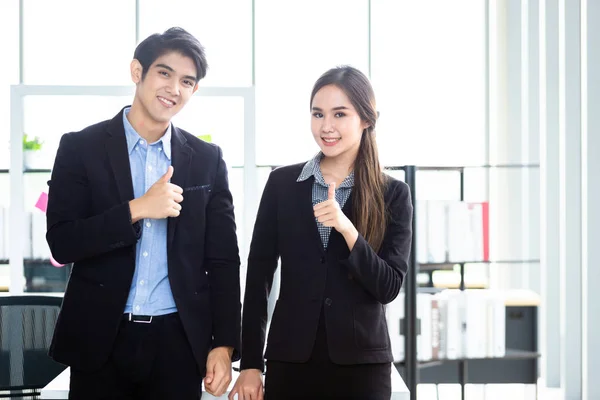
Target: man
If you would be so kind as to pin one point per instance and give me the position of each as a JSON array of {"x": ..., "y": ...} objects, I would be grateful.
[{"x": 143, "y": 211}]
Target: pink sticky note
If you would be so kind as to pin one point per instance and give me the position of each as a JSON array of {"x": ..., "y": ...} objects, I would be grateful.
[
  {"x": 42, "y": 202},
  {"x": 56, "y": 263}
]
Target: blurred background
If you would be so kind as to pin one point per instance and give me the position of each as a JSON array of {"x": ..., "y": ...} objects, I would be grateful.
[{"x": 495, "y": 103}]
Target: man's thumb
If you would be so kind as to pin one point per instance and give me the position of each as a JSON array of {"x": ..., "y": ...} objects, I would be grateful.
[
  {"x": 331, "y": 192},
  {"x": 209, "y": 377},
  {"x": 168, "y": 175}
]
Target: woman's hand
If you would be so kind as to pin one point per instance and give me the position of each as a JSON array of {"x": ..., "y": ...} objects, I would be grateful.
[
  {"x": 330, "y": 214},
  {"x": 248, "y": 386}
]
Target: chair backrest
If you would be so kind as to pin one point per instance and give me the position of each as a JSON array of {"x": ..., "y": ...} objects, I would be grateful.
[{"x": 26, "y": 328}]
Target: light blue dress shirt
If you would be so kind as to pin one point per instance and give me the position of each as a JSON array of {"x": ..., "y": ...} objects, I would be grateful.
[{"x": 150, "y": 292}]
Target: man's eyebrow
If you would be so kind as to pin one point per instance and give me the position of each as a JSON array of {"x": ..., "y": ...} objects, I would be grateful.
[
  {"x": 192, "y": 78},
  {"x": 165, "y": 67}
]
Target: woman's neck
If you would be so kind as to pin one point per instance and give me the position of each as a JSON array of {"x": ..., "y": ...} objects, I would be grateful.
[{"x": 336, "y": 169}]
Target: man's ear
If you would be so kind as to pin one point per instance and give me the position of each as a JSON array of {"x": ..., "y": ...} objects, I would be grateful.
[{"x": 136, "y": 71}]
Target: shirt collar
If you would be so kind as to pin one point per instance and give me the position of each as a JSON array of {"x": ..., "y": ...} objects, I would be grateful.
[
  {"x": 133, "y": 137},
  {"x": 313, "y": 168}
]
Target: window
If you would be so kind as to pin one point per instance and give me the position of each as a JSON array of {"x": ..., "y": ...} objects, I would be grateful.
[
  {"x": 9, "y": 75},
  {"x": 295, "y": 43},
  {"x": 223, "y": 27},
  {"x": 428, "y": 71},
  {"x": 92, "y": 43},
  {"x": 220, "y": 117}
]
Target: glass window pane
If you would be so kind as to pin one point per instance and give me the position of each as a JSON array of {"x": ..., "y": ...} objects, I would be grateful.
[
  {"x": 92, "y": 43},
  {"x": 49, "y": 117},
  {"x": 223, "y": 27},
  {"x": 428, "y": 70},
  {"x": 220, "y": 117},
  {"x": 9, "y": 74},
  {"x": 295, "y": 43}
]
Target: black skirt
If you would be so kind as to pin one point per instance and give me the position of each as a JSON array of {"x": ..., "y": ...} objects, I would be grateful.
[{"x": 320, "y": 378}]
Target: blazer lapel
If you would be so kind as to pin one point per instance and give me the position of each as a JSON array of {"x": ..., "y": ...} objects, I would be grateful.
[
  {"x": 307, "y": 214},
  {"x": 181, "y": 157},
  {"x": 116, "y": 147}
]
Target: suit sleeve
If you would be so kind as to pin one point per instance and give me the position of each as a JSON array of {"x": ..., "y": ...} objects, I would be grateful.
[
  {"x": 262, "y": 263},
  {"x": 222, "y": 264},
  {"x": 72, "y": 233},
  {"x": 382, "y": 274}
]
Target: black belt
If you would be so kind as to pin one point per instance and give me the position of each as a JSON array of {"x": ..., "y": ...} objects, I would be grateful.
[{"x": 145, "y": 319}]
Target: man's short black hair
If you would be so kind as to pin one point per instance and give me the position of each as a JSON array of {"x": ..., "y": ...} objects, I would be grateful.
[{"x": 173, "y": 39}]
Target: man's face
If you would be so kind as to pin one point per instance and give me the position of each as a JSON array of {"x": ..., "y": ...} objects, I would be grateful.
[{"x": 167, "y": 86}]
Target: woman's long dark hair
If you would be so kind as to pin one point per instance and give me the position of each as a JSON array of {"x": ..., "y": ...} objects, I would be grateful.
[{"x": 368, "y": 206}]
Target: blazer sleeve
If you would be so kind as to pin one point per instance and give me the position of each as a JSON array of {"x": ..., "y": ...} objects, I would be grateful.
[
  {"x": 262, "y": 263},
  {"x": 73, "y": 234},
  {"x": 382, "y": 274},
  {"x": 222, "y": 263}
]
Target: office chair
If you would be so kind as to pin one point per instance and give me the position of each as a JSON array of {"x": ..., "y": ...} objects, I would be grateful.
[{"x": 26, "y": 328}]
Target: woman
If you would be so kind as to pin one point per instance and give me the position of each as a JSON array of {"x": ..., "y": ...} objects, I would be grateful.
[{"x": 343, "y": 231}]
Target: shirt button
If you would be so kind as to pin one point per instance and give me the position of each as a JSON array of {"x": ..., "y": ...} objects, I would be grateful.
[
  {"x": 149, "y": 167},
  {"x": 142, "y": 283},
  {"x": 142, "y": 142},
  {"x": 145, "y": 254},
  {"x": 328, "y": 301},
  {"x": 137, "y": 308},
  {"x": 148, "y": 224}
]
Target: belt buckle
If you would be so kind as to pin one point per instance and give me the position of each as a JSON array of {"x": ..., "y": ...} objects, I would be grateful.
[{"x": 139, "y": 321}]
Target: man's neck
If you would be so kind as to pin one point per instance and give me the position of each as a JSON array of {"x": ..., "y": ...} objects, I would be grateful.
[{"x": 148, "y": 129}]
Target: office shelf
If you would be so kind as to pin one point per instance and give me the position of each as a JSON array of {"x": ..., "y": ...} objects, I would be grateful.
[
  {"x": 30, "y": 261},
  {"x": 520, "y": 361},
  {"x": 30, "y": 171},
  {"x": 510, "y": 355}
]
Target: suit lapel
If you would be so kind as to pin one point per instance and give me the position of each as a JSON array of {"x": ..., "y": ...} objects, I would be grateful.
[
  {"x": 181, "y": 157},
  {"x": 116, "y": 148}
]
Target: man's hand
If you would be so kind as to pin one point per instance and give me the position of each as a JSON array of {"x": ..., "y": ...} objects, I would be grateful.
[
  {"x": 160, "y": 201},
  {"x": 249, "y": 386},
  {"x": 218, "y": 371}
]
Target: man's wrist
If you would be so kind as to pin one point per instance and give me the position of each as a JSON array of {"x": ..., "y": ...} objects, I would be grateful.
[{"x": 135, "y": 209}]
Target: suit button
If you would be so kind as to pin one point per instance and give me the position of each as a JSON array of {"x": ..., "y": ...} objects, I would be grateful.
[
  {"x": 323, "y": 260},
  {"x": 328, "y": 301}
]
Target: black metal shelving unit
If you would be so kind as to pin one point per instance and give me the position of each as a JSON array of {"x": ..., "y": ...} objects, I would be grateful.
[{"x": 462, "y": 370}]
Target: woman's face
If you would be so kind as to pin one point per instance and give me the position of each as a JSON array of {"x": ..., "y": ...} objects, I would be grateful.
[{"x": 335, "y": 124}]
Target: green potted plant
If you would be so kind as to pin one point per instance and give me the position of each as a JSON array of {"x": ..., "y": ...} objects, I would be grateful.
[{"x": 31, "y": 151}]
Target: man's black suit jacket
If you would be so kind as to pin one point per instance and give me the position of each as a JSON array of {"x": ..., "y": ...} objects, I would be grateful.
[
  {"x": 89, "y": 224},
  {"x": 350, "y": 288}
]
